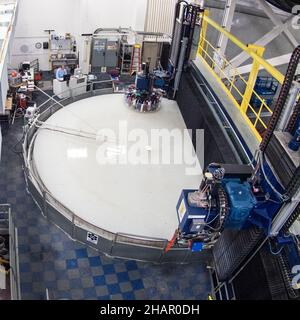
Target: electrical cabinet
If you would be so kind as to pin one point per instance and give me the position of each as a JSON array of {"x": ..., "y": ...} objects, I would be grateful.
[{"x": 105, "y": 53}]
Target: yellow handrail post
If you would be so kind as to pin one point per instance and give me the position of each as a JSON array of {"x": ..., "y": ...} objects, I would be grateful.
[
  {"x": 227, "y": 72},
  {"x": 259, "y": 113},
  {"x": 252, "y": 76},
  {"x": 203, "y": 31},
  {"x": 273, "y": 71}
]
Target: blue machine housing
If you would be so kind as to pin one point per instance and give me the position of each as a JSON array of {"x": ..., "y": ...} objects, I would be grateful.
[
  {"x": 241, "y": 201},
  {"x": 142, "y": 83},
  {"x": 159, "y": 83},
  {"x": 159, "y": 80},
  {"x": 248, "y": 204},
  {"x": 266, "y": 88},
  {"x": 191, "y": 220},
  {"x": 266, "y": 209},
  {"x": 297, "y": 125}
]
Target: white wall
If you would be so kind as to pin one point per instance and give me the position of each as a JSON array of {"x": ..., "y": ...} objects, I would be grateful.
[
  {"x": 5, "y": 50},
  {"x": 74, "y": 16},
  {"x": 166, "y": 8},
  {"x": 112, "y": 13}
]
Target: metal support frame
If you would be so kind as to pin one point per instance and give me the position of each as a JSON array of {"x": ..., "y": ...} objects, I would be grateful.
[
  {"x": 277, "y": 22},
  {"x": 180, "y": 65},
  {"x": 284, "y": 214},
  {"x": 47, "y": 95},
  {"x": 252, "y": 77},
  {"x": 226, "y": 24},
  {"x": 275, "y": 62},
  {"x": 8, "y": 227},
  {"x": 249, "y": 53},
  {"x": 245, "y": 7},
  {"x": 293, "y": 97},
  {"x": 265, "y": 40},
  {"x": 203, "y": 31},
  {"x": 234, "y": 92},
  {"x": 217, "y": 289}
]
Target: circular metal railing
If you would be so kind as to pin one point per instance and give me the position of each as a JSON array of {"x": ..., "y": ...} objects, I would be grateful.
[{"x": 145, "y": 248}]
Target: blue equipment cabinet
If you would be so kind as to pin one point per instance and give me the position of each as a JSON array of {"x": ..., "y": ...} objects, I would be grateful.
[
  {"x": 266, "y": 88},
  {"x": 191, "y": 219},
  {"x": 142, "y": 83}
]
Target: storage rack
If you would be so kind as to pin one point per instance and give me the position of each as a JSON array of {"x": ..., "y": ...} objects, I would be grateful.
[{"x": 125, "y": 56}]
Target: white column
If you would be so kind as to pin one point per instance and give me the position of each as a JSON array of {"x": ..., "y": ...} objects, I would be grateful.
[
  {"x": 226, "y": 24},
  {"x": 81, "y": 26}
]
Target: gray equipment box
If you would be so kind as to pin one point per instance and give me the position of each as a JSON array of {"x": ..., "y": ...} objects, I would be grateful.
[{"x": 104, "y": 53}]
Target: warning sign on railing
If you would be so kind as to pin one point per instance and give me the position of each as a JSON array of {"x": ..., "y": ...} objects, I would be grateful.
[{"x": 91, "y": 237}]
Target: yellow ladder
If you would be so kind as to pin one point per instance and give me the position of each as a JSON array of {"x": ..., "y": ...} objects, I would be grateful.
[{"x": 136, "y": 65}]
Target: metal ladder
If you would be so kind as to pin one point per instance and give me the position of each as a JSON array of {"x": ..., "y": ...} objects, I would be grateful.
[
  {"x": 220, "y": 290},
  {"x": 136, "y": 65}
]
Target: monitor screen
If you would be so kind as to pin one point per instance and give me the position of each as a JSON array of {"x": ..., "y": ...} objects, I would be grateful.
[{"x": 67, "y": 77}]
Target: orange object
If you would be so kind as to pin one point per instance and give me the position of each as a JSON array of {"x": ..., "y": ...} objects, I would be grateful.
[
  {"x": 14, "y": 74},
  {"x": 136, "y": 65},
  {"x": 22, "y": 101},
  {"x": 171, "y": 242},
  {"x": 38, "y": 76}
]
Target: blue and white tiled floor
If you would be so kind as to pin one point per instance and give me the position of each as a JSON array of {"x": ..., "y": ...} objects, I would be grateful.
[{"x": 49, "y": 259}]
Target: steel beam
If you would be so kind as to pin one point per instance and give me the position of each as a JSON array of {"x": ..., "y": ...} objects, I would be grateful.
[
  {"x": 243, "y": 7},
  {"x": 277, "y": 22},
  {"x": 265, "y": 40},
  {"x": 276, "y": 61},
  {"x": 226, "y": 24},
  {"x": 289, "y": 107},
  {"x": 269, "y": 68},
  {"x": 285, "y": 212}
]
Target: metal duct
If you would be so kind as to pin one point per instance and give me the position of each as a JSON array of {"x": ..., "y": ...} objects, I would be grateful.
[{"x": 160, "y": 16}]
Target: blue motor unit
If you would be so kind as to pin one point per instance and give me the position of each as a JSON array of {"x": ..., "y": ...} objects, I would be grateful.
[
  {"x": 225, "y": 201},
  {"x": 241, "y": 203}
]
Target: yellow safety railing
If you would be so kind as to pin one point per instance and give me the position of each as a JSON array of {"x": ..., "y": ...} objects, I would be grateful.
[{"x": 237, "y": 87}]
